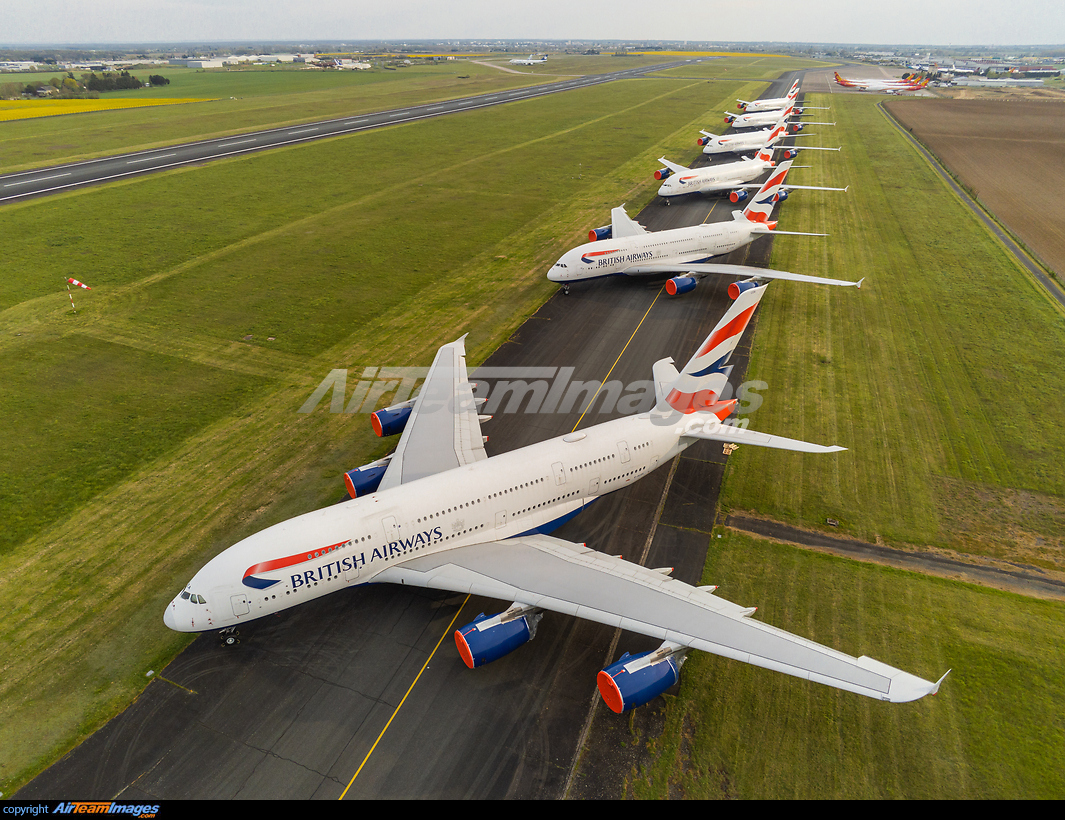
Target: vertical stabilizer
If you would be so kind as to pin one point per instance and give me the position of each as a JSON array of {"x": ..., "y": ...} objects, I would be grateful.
[
  {"x": 703, "y": 379},
  {"x": 762, "y": 203}
]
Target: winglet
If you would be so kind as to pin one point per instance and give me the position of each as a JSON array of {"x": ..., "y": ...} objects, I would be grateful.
[
  {"x": 935, "y": 689},
  {"x": 860, "y": 283}
]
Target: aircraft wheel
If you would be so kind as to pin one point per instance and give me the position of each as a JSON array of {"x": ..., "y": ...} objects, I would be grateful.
[{"x": 565, "y": 290}]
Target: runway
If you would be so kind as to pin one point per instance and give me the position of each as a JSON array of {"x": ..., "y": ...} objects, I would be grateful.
[
  {"x": 361, "y": 694},
  {"x": 43, "y": 181}
]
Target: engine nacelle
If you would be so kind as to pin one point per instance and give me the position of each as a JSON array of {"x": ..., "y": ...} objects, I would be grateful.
[
  {"x": 742, "y": 106},
  {"x": 392, "y": 419},
  {"x": 680, "y": 284},
  {"x": 736, "y": 288},
  {"x": 739, "y": 195},
  {"x": 702, "y": 141},
  {"x": 598, "y": 234},
  {"x": 366, "y": 479},
  {"x": 663, "y": 173},
  {"x": 729, "y": 118},
  {"x": 790, "y": 153},
  {"x": 487, "y": 639},
  {"x": 782, "y": 194},
  {"x": 630, "y": 682},
  {"x": 796, "y": 127}
]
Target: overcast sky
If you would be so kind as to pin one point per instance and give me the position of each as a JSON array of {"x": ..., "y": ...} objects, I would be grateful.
[{"x": 946, "y": 22}]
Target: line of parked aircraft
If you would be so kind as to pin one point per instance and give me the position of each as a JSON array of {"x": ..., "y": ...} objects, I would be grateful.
[{"x": 439, "y": 513}]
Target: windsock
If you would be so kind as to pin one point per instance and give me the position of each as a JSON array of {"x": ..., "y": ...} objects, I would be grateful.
[{"x": 79, "y": 284}]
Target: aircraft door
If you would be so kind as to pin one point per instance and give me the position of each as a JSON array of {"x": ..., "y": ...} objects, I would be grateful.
[
  {"x": 501, "y": 519},
  {"x": 560, "y": 473},
  {"x": 240, "y": 605},
  {"x": 391, "y": 527},
  {"x": 623, "y": 451},
  {"x": 593, "y": 488}
]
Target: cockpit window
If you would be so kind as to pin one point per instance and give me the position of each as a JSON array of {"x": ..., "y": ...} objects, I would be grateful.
[{"x": 185, "y": 596}]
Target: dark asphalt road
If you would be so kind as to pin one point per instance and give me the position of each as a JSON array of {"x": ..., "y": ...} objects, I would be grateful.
[{"x": 295, "y": 710}]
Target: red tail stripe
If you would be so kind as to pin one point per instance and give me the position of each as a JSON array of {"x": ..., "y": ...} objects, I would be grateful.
[{"x": 734, "y": 327}]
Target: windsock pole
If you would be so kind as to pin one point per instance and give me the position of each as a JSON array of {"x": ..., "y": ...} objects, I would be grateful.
[{"x": 71, "y": 295}]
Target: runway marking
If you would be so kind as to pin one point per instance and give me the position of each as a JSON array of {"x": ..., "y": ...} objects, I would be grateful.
[
  {"x": 400, "y": 706},
  {"x": 304, "y": 131},
  {"x": 150, "y": 159},
  {"x": 711, "y": 210},
  {"x": 238, "y": 142},
  {"x": 29, "y": 181},
  {"x": 618, "y": 359}
]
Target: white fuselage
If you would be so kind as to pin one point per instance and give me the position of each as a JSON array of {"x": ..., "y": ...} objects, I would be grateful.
[
  {"x": 740, "y": 143},
  {"x": 773, "y": 104},
  {"x": 533, "y": 489},
  {"x": 757, "y": 119},
  {"x": 610, "y": 257},
  {"x": 713, "y": 179}
]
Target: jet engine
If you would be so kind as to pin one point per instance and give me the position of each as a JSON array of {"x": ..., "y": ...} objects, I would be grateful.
[
  {"x": 680, "y": 284},
  {"x": 790, "y": 153},
  {"x": 782, "y": 194},
  {"x": 663, "y": 173},
  {"x": 488, "y": 639},
  {"x": 598, "y": 234},
  {"x": 392, "y": 419},
  {"x": 366, "y": 479},
  {"x": 702, "y": 140},
  {"x": 739, "y": 195},
  {"x": 796, "y": 127},
  {"x": 638, "y": 679},
  {"x": 736, "y": 288}
]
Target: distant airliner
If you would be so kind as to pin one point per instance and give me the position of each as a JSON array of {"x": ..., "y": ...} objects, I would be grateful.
[
  {"x": 891, "y": 86},
  {"x": 633, "y": 251},
  {"x": 530, "y": 60},
  {"x": 440, "y": 514}
]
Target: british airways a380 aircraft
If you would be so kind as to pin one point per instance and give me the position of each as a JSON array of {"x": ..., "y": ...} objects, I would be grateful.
[
  {"x": 440, "y": 514},
  {"x": 633, "y": 251},
  {"x": 731, "y": 178}
]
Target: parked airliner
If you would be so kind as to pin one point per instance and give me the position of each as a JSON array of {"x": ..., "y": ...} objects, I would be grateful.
[
  {"x": 731, "y": 178},
  {"x": 441, "y": 514},
  {"x": 530, "y": 60},
  {"x": 741, "y": 143},
  {"x": 633, "y": 251},
  {"x": 771, "y": 103},
  {"x": 893, "y": 86}
]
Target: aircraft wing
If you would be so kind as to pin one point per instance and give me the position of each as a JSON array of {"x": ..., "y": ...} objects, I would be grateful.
[
  {"x": 702, "y": 268},
  {"x": 443, "y": 431},
  {"x": 623, "y": 225},
  {"x": 541, "y": 571}
]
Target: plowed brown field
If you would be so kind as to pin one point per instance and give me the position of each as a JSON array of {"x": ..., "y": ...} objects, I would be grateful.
[{"x": 1011, "y": 153}]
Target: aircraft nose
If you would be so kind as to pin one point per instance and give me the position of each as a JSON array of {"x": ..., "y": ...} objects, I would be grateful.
[{"x": 169, "y": 617}]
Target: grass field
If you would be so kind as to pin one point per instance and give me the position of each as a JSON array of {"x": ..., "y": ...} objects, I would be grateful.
[
  {"x": 343, "y": 266},
  {"x": 242, "y": 100},
  {"x": 938, "y": 374},
  {"x": 994, "y": 731}
]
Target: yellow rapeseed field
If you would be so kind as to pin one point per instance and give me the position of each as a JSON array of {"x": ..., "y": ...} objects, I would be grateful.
[{"x": 26, "y": 109}]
